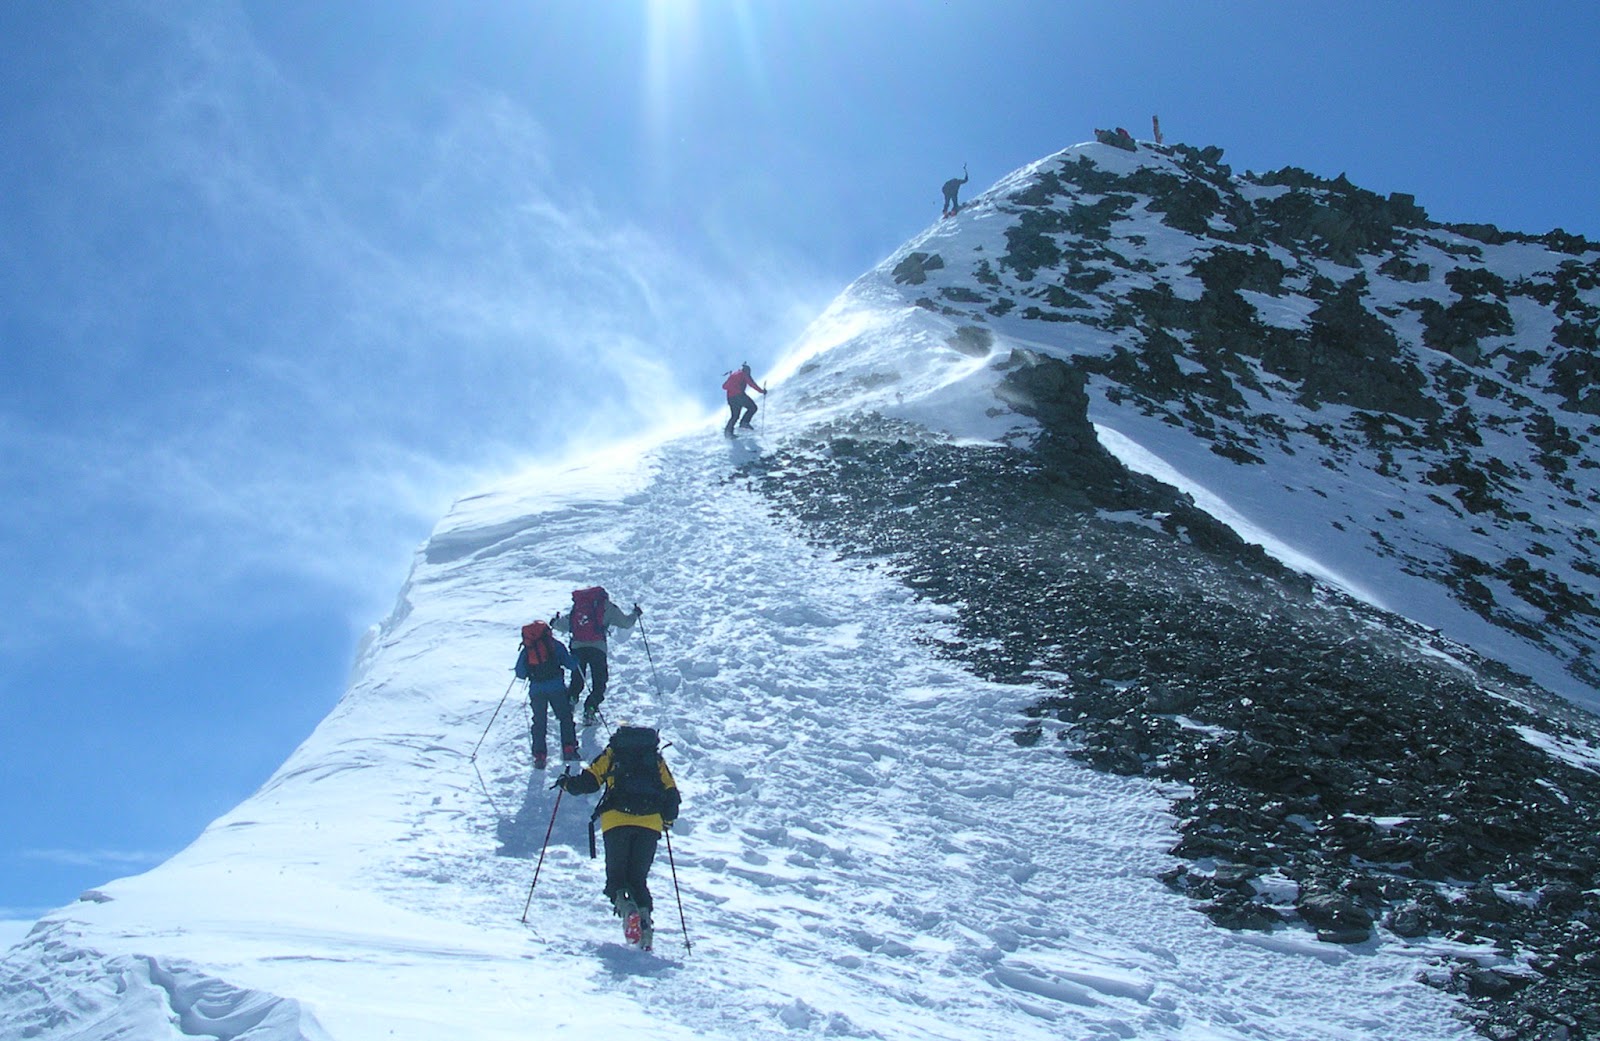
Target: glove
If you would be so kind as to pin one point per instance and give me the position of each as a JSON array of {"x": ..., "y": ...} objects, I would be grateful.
[
  {"x": 669, "y": 823},
  {"x": 561, "y": 782},
  {"x": 638, "y": 612}
]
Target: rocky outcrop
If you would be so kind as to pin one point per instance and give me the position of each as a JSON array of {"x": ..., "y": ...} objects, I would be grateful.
[{"x": 1287, "y": 314}]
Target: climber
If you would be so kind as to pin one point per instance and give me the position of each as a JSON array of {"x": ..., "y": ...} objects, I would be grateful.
[
  {"x": 641, "y": 801},
  {"x": 736, "y": 385},
  {"x": 592, "y": 615},
  {"x": 951, "y": 188},
  {"x": 540, "y": 660}
]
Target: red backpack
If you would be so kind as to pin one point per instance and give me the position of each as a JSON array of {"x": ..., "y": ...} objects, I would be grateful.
[
  {"x": 589, "y": 613},
  {"x": 539, "y": 652}
]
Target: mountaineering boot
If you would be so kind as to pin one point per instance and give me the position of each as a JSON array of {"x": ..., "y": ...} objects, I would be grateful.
[
  {"x": 628, "y": 911},
  {"x": 591, "y": 713},
  {"x": 569, "y": 753},
  {"x": 647, "y": 931},
  {"x": 538, "y": 760}
]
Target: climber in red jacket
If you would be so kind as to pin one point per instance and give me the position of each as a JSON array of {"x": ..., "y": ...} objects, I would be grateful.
[{"x": 738, "y": 400}]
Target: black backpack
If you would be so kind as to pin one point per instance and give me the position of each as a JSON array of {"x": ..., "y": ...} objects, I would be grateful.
[{"x": 633, "y": 783}]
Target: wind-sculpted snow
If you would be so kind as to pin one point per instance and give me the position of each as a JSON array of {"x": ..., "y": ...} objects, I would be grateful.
[
  {"x": 66, "y": 991},
  {"x": 863, "y": 851}
]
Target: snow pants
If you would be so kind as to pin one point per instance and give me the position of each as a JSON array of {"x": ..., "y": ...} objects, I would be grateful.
[
  {"x": 738, "y": 403},
  {"x": 543, "y": 700},
  {"x": 590, "y": 660},
  {"x": 630, "y": 850}
]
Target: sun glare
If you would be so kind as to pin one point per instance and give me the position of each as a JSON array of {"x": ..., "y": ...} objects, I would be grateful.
[
  {"x": 669, "y": 55},
  {"x": 688, "y": 43}
]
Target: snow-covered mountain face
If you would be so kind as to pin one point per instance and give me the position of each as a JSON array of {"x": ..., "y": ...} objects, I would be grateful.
[
  {"x": 1386, "y": 427},
  {"x": 972, "y": 713},
  {"x": 1405, "y": 409}
]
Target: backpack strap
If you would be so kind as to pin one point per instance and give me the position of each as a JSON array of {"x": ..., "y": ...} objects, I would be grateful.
[{"x": 600, "y": 803}]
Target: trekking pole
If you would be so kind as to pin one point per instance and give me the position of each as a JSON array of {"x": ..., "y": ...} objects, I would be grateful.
[
  {"x": 667, "y": 833},
  {"x": 653, "y": 673},
  {"x": 494, "y": 717},
  {"x": 539, "y": 866},
  {"x": 473, "y": 759}
]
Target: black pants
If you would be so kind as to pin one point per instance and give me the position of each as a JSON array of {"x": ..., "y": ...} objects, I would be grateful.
[
  {"x": 740, "y": 402},
  {"x": 543, "y": 703},
  {"x": 630, "y": 850},
  {"x": 591, "y": 660}
]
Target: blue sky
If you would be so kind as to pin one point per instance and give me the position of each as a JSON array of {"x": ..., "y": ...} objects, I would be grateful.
[{"x": 280, "y": 280}]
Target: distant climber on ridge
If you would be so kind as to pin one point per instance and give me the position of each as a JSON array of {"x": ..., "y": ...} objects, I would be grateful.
[
  {"x": 640, "y": 802},
  {"x": 952, "y": 188},
  {"x": 738, "y": 382},
  {"x": 592, "y": 615},
  {"x": 540, "y": 660}
]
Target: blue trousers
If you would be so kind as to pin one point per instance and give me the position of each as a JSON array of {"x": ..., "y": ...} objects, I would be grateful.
[{"x": 546, "y": 699}]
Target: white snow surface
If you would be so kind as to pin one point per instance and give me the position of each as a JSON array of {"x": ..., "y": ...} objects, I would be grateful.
[{"x": 863, "y": 851}]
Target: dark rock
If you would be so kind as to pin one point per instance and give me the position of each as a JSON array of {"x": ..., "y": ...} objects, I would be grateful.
[
  {"x": 1560, "y": 897},
  {"x": 914, "y": 268},
  {"x": 1486, "y": 233},
  {"x": 1486, "y": 983},
  {"x": 1337, "y": 918},
  {"x": 972, "y": 340},
  {"x": 1408, "y": 920},
  {"x": 1403, "y": 270},
  {"x": 1233, "y": 913}
]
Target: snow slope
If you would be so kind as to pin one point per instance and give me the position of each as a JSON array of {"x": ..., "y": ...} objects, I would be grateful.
[{"x": 863, "y": 851}]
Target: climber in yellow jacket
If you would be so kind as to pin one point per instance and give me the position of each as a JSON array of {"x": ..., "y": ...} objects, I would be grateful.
[{"x": 640, "y": 801}]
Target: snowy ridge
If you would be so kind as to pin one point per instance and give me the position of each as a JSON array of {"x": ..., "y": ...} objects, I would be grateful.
[{"x": 863, "y": 852}]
